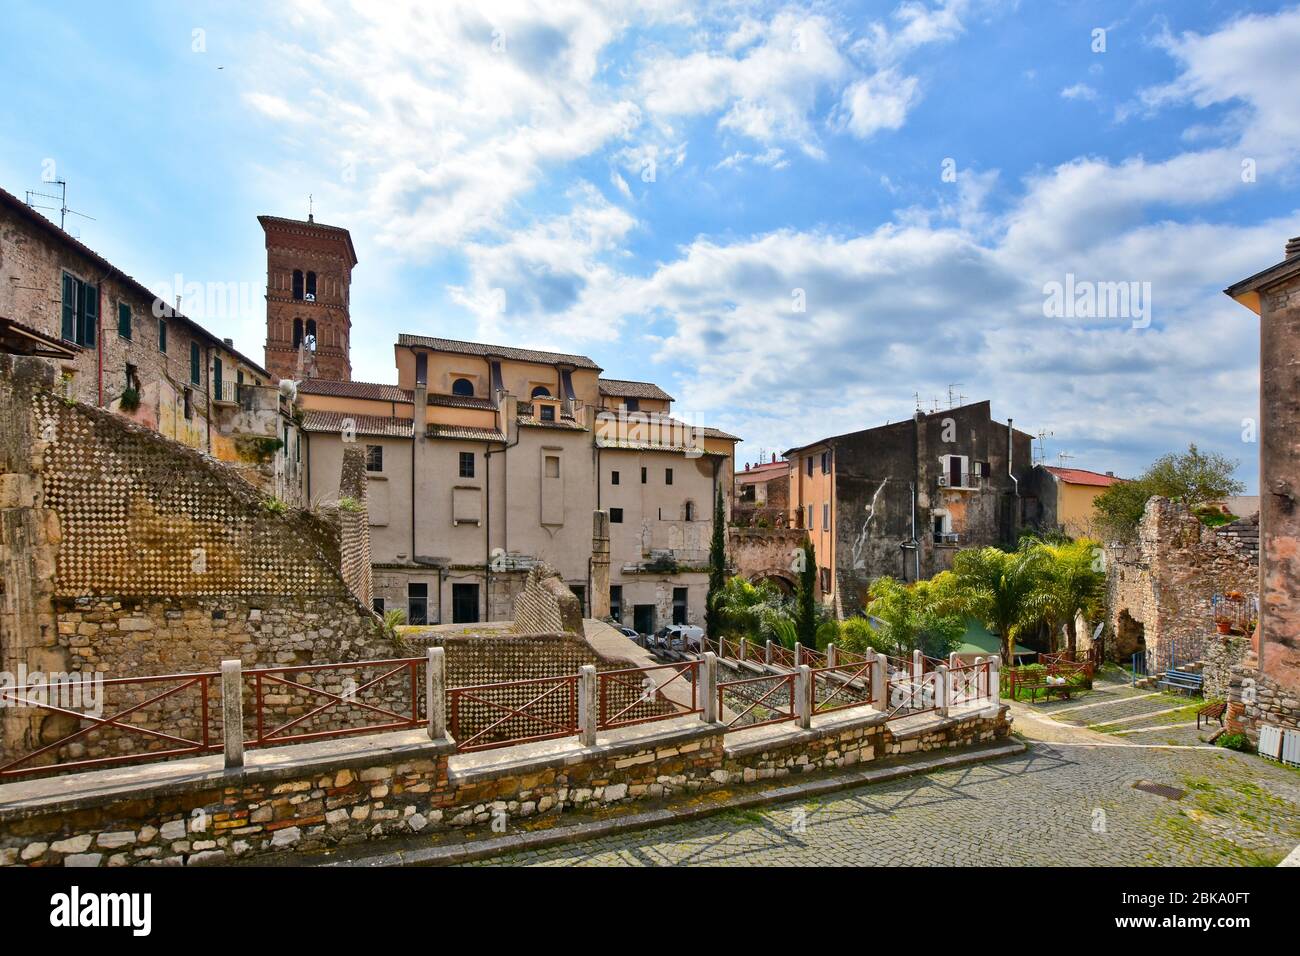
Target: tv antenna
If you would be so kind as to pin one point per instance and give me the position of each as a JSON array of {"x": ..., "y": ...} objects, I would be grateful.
[
  {"x": 954, "y": 402},
  {"x": 1062, "y": 457},
  {"x": 62, "y": 207},
  {"x": 1042, "y": 434},
  {"x": 311, "y": 209}
]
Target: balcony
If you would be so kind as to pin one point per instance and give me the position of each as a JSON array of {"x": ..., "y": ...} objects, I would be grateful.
[
  {"x": 226, "y": 393},
  {"x": 965, "y": 481},
  {"x": 950, "y": 539}
]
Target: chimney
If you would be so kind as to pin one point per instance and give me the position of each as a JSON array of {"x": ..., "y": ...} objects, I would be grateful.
[
  {"x": 774, "y": 458},
  {"x": 747, "y": 466},
  {"x": 1293, "y": 247},
  {"x": 230, "y": 343}
]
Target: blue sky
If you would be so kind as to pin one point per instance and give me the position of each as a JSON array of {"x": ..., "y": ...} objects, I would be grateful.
[{"x": 658, "y": 185}]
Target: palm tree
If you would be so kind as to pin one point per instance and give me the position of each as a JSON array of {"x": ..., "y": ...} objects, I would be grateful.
[
  {"x": 1072, "y": 582},
  {"x": 1000, "y": 588}
]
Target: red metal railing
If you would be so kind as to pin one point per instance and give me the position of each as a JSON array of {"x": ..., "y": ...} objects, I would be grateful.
[
  {"x": 558, "y": 694},
  {"x": 812, "y": 657},
  {"x": 969, "y": 682},
  {"x": 782, "y": 656},
  {"x": 730, "y": 649},
  {"x": 615, "y": 688},
  {"x": 273, "y": 677},
  {"x": 913, "y": 695},
  {"x": 769, "y": 700},
  {"x": 201, "y": 743},
  {"x": 849, "y": 657},
  {"x": 843, "y": 681}
]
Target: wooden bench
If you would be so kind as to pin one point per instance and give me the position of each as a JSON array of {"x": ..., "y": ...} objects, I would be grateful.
[
  {"x": 1181, "y": 680},
  {"x": 1211, "y": 712},
  {"x": 1035, "y": 684}
]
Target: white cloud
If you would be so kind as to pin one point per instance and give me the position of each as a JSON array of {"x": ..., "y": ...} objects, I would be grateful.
[
  {"x": 880, "y": 101},
  {"x": 1079, "y": 91}
]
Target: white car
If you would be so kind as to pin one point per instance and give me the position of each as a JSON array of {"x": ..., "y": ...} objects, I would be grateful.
[{"x": 679, "y": 637}]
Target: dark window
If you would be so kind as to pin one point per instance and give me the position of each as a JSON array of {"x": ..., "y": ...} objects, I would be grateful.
[
  {"x": 464, "y": 603},
  {"x": 239, "y": 385},
  {"x": 310, "y": 337},
  {"x": 826, "y": 515},
  {"x": 825, "y": 575},
  {"x": 643, "y": 476},
  {"x": 826, "y": 463},
  {"x": 547, "y": 413},
  {"x": 189, "y": 404},
  {"x": 417, "y": 603},
  {"x": 462, "y": 386},
  {"x": 541, "y": 391},
  {"x": 615, "y": 515},
  {"x": 377, "y": 605},
  {"x": 374, "y": 458},
  {"x": 613, "y": 477},
  {"x": 422, "y": 369},
  {"x": 632, "y": 404},
  {"x": 580, "y": 592},
  {"x": 467, "y": 464},
  {"x": 196, "y": 364},
  {"x": 162, "y": 336},
  {"x": 668, "y": 476},
  {"x": 690, "y": 511},
  {"x": 297, "y": 283},
  {"x": 216, "y": 378},
  {"x": 808, "y": 464},
  {"x": 616, "y": 602},
  {"x": 132, "y": 378},
  {"x": 80, "y": 311},
  {"x": 297, "y": 332},
  {"x": 679, "y": 605},
  {"x": 311, "y": 287},
  {"x": 124, "y": 320}
]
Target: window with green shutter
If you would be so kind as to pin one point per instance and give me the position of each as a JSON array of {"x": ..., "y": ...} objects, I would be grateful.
[
  {"x": 162, "y": 336},
  {"x": 124, "y": 320},
  {"x": 80, "y": 318},
  {"x": 195, "y": 366},
  {"x": 69, "y": 308},
  {"x": 89, "y": 314}
]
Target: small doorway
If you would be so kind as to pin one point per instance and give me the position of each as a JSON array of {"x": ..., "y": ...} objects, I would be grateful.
[
  {"x": 464, "y": 603},
  {"x": 643, "y": 618},
  {"x": 679, "y": 605}
]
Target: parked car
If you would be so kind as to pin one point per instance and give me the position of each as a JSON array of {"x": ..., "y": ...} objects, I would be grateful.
[
  {"x": 679, "y": 637},
  {"x": 627, "y": 631}
]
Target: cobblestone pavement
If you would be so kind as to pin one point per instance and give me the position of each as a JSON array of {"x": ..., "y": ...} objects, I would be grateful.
[
  {"x": 1068, "y": 800},
  {"x": 1133, "y": 715}
]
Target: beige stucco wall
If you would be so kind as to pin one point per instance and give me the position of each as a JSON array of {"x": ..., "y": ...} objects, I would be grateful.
[
  {"x": 816, "y": 490},
  {"x": 1074, "y": 508}
]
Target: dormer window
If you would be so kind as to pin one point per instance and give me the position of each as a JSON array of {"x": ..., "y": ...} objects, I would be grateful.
[
  {"x": 463, "y": 387},
  {"x": 541, "y": 391}
]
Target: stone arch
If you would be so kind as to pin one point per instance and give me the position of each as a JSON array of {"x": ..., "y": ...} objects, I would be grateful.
[{"x": 781, "y": 578}]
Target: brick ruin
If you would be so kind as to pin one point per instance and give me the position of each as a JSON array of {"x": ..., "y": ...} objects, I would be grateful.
[
  {"x": 546, "y": 605},
  {"x": 1160, "y": 587},
  {"x": 126, "y": 554}
]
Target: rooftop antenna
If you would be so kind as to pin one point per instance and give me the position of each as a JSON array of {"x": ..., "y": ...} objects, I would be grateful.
[
  {"x": 960, "y": 397},
  {"x": 1062, "y": 457},
  {"x": 311, "y": 209},
  {"x": 917, "y": 396},
  {"x": 62, "y": 207},
  {"x": 1043, "y": 433}
]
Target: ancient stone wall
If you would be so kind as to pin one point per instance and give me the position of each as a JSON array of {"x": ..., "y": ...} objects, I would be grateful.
[
  {"x": 1161, "y": 586},
  {"x": 764, "y": 554},
  {"x": 546, "y": 605},
  {"x": 354, "y": 521}
]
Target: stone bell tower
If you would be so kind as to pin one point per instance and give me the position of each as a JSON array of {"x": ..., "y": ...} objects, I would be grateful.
[{"x": 308, "y": 286}]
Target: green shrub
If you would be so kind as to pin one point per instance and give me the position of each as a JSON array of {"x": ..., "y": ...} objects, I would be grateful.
[
  {"x": 130, "y": 400},
  {"x": 828, "y": 632},
  {"x": 1234, "y": 742}
]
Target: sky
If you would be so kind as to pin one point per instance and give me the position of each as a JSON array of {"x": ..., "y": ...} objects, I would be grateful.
[{"x": 796, "y": 218}]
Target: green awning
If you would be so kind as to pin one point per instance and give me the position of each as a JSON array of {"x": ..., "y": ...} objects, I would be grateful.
[{"x": 979, "y": 640}]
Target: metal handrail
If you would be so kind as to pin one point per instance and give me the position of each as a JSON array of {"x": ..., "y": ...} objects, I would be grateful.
[
  {"x": 780, "y": 681},
  {"x": 569, "y": 727},
  {"x": 618, "y": 678}
]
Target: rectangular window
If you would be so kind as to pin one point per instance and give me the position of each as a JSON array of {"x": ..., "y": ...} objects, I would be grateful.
[
  {"x": 826, "y": 463},
  {"x": 826, "y": 516},
  {"x": 668, "y": 476},
  {"x": 825, "y": 575},
  {"x": 196, "y": 364},
  {"x": 808, "y": 465},
  {"x": 216, "y": 379},
  {"x": 643, "y": 476},
  {"x": 421, "y": 368},
  {"x": 464, "y": 603},
  {"x": 616, "y": 602},
  {"x": 615, "y": 515},
  {"x": 547, "y": 413},
  {"x": 377, "y": 605},
  {"x": 80, "y": 311},
  {"x": 613, "y": 477},
  {"x": 417, "y": 603},
  {"x": 162, "y": 336},
  {"x": 810, "y": 515},
  {"x": 580, "y": 592},
  {"x": 124, "y": 320},
  {"x": 690, "y": 511},
  {"x": 374, "y": 458},
  {"x": 679, "y": 606},
  {"x": 467, "y": 464},
  {"x": 632, "y": 404}
]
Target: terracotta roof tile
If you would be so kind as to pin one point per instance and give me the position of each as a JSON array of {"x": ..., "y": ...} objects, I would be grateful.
[
  {"x": 625, "y": 388},
  {"x": 1081, "y": 476},
  {"x": 505, "y": 351},
  {"x": 464, "y": 433},
  {"x": 374, "y": 391},
  {"x": 375, "y": 425}
]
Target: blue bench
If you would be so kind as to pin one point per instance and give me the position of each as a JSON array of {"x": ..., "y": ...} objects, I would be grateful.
[{"x": 1181, "y": 680}]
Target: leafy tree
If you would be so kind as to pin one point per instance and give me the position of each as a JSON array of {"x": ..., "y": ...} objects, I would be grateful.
[
  {"x": 806, "y": 617},
  {"x": 717, "y": 564},
  {"x": 1072, "y": 580},
  {"x": 999, "y": 588},
  {"x": 925, "y": 615},
  {"x": 1193, "y": 478},
  {"x": 738, "y": 607}
]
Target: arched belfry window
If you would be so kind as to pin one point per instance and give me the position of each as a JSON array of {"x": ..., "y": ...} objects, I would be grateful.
[
  {"x": 297, "y": 284},
  {"x": 311, "y": 287},
  {"x": 463, "y": 386},
  {"x": 311, "y": 334},
  {"x": 541, "y": 391},
  {"x": 297, "y": 332}
]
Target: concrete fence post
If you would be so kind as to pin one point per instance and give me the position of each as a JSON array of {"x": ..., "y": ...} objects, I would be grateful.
[
  {"x": 878, "y": 676},
  {"x": 767, "y": 653},
  {"x": 981, "y": 679},
  {"x": 953, "y": 662},
  {"x": 995, "y": 679},
  {"x": 941, "y": 688},
  {"x": 587, "y": 715},
  {"x": 831, "y": 656},
  {"x": 918, "y": 665},
  {"x": 232, "y": 712},
  {"x": 435, "y": 691},
  {"x": 744, "y": 648},
  {"x": 803, "y": 691},
  {"x": 709, "y": 687},
  {"x": 798, "y": 653}
]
